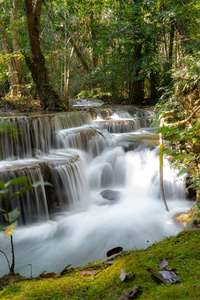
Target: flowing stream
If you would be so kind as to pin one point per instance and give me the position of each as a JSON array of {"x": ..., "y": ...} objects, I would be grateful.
[{"x": 105, "y": 193}]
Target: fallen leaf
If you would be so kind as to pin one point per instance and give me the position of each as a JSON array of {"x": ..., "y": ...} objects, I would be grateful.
[
  {"x": 87, "y": 272},
  {"x": 47, "y": 275},
  {"x": 167, "y": 277},
  {"x": 63, "y": 271},
  {"x": 163, "y": 263},
  {"x": 170, "y": 276},
  {"x": 130, "y": 294},
  {"x": 123, "y": 276},
  {"x": 173, "y": 270}
]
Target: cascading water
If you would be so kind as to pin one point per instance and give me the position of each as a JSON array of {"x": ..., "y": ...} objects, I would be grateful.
[{"x": 106, "y": 189}]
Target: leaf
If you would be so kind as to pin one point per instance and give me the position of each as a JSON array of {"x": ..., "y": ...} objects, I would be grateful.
[
  {"x": 3, "y": 210},
  {"x": 182, "y": 171},
  {"x": 167, "y": 277},
  {"x": 87, "y": 272},
  {"x": 48, "y": 275},
  {"x": 171, "y": 132},
  {"x": 163, "y": 263},
  {"x": 10, "y": 229},
  {"x": 3, "y": 192},
  {"x": 170, "y": 276},
  {"x": 2, "y": 185},
  {"x": 197, "y": 137},
  {"x": 38, "y": 183},
  {"x": 13, "y": 215},
  {"x": 17, "y": 181},
  {"x": 21, "y": 191},
  {"x": 130, "y": 294},
  {"x": 63, "y": 271},
  {"x": 123, "y": 276}
]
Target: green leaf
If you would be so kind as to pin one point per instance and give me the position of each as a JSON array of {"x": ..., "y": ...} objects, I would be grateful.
[
  {"x": 13, "y": 215},
  {"x": 21, "y": 191},
  {"x": 163, "y": 129},
  {"x": 197, "y": 137},
  {"x": 3, "y": 210},
  {"x": 38, "y": 183},
  {"x": 17, "y": 181},
  {"x": 171, "y": 132},
  {"x": 2, "y": 185},
  {"x": 3, "y": 193},
  {"x": 183, "y": 171}
]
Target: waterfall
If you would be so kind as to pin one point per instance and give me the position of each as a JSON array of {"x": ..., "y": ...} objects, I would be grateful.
[
  {"x": 32, "y": 204},
  {"x": 35, "y": 134},
  {"x": 105, "y": 192}
]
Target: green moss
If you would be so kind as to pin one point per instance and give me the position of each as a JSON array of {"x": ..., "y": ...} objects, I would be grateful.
[{"x": 182, "y": 252}]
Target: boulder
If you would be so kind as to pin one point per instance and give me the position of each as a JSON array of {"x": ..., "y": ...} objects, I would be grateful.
[{"x": 111, "y": 195}]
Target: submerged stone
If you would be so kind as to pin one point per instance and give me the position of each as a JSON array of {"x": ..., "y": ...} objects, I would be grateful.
[{"x": 111, "y": 195}]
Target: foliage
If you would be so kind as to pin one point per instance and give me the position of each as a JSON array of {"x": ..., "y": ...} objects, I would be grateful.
[
  {"x": 182, "y": 253},
  {"x": 182, "y": 142},
  {"x": 94, "y": 93}
]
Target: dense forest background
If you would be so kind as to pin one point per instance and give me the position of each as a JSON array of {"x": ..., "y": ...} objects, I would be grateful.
[{"x": 127, "y": 52}]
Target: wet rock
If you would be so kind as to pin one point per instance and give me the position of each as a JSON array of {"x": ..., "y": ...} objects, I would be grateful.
[
  {"x": 114, "y": 251},
  {"x": 111, "y": 195}
]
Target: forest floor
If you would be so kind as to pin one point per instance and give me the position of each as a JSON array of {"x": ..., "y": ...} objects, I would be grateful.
[{"x": 168, "y": 269}]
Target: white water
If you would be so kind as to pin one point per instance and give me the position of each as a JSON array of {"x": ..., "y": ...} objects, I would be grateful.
[{"x": 85, "y": 234}]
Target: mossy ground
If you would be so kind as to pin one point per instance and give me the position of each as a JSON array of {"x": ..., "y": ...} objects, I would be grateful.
[{"x": 182, "y": 252}]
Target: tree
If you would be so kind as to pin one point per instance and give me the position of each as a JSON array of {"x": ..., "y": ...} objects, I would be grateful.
[
  {"x": 11, "y": 46},
  {"x": 49, "y": 99}
]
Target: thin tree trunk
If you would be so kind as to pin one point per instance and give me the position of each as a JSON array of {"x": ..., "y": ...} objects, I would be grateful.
[
  {"x": 12, "y": 268},
  {"x": 137, "y": 85}
]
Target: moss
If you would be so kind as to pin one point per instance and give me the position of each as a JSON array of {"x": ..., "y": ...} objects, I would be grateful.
[{"x": 182, "y": 253}]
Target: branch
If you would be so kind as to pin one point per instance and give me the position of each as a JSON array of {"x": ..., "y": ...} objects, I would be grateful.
[
  {"x": 163, "y": 116},
  {"x": 6, "y": 258}
]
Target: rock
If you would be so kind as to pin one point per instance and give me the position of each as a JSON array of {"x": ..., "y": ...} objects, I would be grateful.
[
  {"x": 114, "y": 251},
  {"x": 111, "y": 195}
]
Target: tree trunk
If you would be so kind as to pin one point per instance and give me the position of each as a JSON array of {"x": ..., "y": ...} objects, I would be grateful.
[
  {"x": 136, "y": 86},
  {"x": 15, "y": 66},
  {"x": 93, "y": 38},
  {"x": 154, "y": 95},
  {"x": 169, "y": 63},
  {"x": 49, "y": 99}
]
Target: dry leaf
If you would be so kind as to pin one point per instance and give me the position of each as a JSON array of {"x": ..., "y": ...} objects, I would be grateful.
[
  {"x": 163, "y": 263},
  {"x": 167, "y": 277},
  {"x": 130, "y": 294},
  {"x": 170, "y": 276},
  {"x": 87, "y": 272},
  {"x": 123, "y": 275},
  {"x": 173, "y": 270},
  {"x": 63, "y": 271},
  {"x": 48, "y": 275},
  {"x": 10, "y": 229}
]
